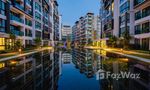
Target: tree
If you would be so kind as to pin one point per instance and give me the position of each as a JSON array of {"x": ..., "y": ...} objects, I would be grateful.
[
  {"x": 18, "y": 44},
  {"x": 37, "y": 42},
  {"x": 126, "y": 39},
  {"x": 112, "y": 41},
  {"x": 13, "y": 38},
  {"x": 89, "y": 41}
]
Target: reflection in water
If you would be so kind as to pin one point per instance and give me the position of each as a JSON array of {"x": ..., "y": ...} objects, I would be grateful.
[
  {"x": 63, "y": 70},
  {"x": 89, "y": 62},
  {"x": 66, "y": 57},
  {"x": 39, "y": 71}
]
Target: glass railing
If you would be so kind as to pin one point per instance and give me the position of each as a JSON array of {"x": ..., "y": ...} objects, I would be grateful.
[
  {"x": 29, "y": 34},
  {"x": 29, "y": 12},
  {"x": 137, "y": 2},
  {"x": 29, "y": 2},
  {"x": 19, "y": 6},
  {"x": 17, "y": 32},
  {"x": 12, "y": 17},
  {"x": 140, "y": 31},
  {"x": 29, "y": 23}
]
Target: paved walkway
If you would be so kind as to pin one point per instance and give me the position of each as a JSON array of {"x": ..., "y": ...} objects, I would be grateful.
[
  {"x": 16, "y": 54},
  {"x": 126, "y": 53}
]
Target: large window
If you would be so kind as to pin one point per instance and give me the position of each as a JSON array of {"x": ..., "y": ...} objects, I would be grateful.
[
  {"x": 142, "y": 28},
  {"x": 138, "y": 29},
  {"x": 137, "y": 2},
  {"x": 123, "y": 29},
  {"x": 37, "y": 16},
  {"x": 2, "y": 25},
  {"x": 146, "y": 12},
  {"x": 124, "y": 18},
  {"x": 37, "y": 25},
  {"x": 125, "y": 7},
  {"x": 2, "y": 7},
  {"x": 37, "y": 6},
  {"x": 145, "y": 27},
  {"x": 138, "y": 15},
  {"x": 142, "y": 13},
  {"x": 2, "y": 43},
  {"x": 38, "y": 34}
]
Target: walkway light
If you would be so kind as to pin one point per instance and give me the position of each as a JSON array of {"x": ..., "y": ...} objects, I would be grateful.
[{"x": 20, "y": 50}]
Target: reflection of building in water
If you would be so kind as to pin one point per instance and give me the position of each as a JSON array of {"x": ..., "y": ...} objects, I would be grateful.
[
  {"x": 144, "y": 82},
  {"x": 66, "y": 57},
  {"x": 86, "y": 61},
  {"x": 115, "y": 65},
  {"x": 33, "y": 72}
]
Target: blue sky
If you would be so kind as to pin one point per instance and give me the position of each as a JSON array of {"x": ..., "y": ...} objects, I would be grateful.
[{"x": 72, "y": 10}]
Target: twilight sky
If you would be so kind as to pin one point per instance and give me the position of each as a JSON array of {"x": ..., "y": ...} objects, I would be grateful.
[{"x": 71, "y": 10}]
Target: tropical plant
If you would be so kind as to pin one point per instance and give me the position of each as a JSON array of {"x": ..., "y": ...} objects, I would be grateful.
[
  {"x": 18, "y": 44},
  {"x": 112, "y": 41},
  {"x": 126, "y": 39},
  {"x": 37, "y": 42},
  {"x": 13, "y": 39}
]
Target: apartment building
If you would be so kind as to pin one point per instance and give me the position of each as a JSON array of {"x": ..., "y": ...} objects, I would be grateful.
[
  {"x": 142, "y": 23},
  {"x": 97, "y": 31},
  {"x": 66, "y": 32},
  {"x": 118, "y": 16},
  {"x": 83, "y": 29},
  {"x": 56, "y": 21},
  {"x": 27, "y": 20}
]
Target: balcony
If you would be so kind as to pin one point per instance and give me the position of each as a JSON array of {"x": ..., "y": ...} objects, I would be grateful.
[
  {"x": 138, "y": 2},
  {"x": 29, "y": 23},
  {"x": 19, "y": 6},
  {"x": 16, "y": 20},
  {"x": 20, "y": 1},
  {"x": 28, "y": 4},
  {"x": 29, "y": 12},
  {"x": 17, "y": 32}
]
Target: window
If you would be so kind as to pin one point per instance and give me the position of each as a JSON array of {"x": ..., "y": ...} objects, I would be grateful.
[
  {"x": 37, "y": 7},
  {"x": 137, "y": 2},
  {"x": 2, "y": 25},
  {"x": 123, "y": 19},
  {"x": 37, "y": 25},
  {"x": 121, "y": 1},
  {"x": 37, "y": 16},
  {"x": 138, "y": 29},
  {"x": 2, "y": 8},
  {"x": 146, "y": 12},
  {"x": 38, "y": 34},
  {"x": 123, "y": 29},
  {"x": 138, "y": 15},
  {"x": 145, "y": 27},
  {"x": 125, "y": 7}
]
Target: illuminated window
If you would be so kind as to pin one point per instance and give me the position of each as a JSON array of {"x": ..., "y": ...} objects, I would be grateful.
[{"x": 2, "y": 43}]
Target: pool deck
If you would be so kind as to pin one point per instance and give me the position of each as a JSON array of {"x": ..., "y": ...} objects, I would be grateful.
[
  {"x": 125, "y": 53},
  {"x": 16, "y": 55}
]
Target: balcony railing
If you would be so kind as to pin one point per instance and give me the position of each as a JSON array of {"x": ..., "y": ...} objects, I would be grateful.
[
  {"x": 17, "y": 32},
  {"x": 138, "y": 2},
  {"x": 12, "y": 17},
  {"x": 19, "y": 6},
  {"x": 141, "y": 31},
  {"x": 28, "y": 22}
]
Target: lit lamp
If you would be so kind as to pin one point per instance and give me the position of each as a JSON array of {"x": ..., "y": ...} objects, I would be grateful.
[
  {"x": 121, "y": 50},
  {"x": 20, "y": 50}
]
